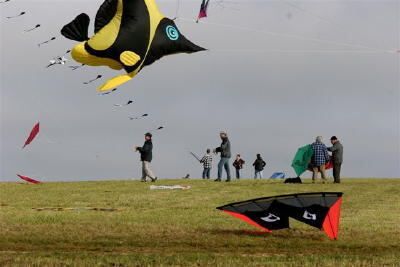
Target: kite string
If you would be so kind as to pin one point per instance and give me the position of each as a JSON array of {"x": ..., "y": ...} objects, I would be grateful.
[{"x": 288, "y": 35}]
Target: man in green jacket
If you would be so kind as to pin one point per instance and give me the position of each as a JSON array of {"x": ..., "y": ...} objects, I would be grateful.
[{"x": 337, "y": 158}]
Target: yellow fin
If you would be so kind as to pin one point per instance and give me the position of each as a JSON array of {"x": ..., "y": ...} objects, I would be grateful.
[
  {"x": 115, "y": 82},
  {"x": 129, "y": 58},
  {"x": 80, "y": 55}
]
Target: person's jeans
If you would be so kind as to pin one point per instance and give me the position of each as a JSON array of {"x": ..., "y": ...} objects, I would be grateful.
[
  {"x": 237, "y": 173},
  {"x": 146, "y": 171},
  {"x": 258, "y": 174},
  {"x": 224, "y": 163},
  {"x": 317, "y": 169},
  {"x": 206, "y": 173}
]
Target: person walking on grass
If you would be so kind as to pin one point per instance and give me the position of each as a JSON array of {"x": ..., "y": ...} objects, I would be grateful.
[
  {"x": 259, "y": 165},
  {"x": 319, "y": 158},
  {"x": 207, "y": 164},
  {"x": 238, "y": 164},
  {"x": 146, "y": 155},
  {"x": 225, "y": 150},
  {"x": 337, "y": 158}
]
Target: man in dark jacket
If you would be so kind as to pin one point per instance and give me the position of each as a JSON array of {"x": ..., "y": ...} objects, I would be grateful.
[
  {"x": 225, "y": 150},
  {"x": 146, "y": 155},
  {"x": 337, "y": 157},
  {"x": 259, "y": 165},
  {"x": 238, "y": 164}
]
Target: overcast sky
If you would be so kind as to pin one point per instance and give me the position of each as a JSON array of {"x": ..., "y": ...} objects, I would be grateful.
[{"x": 277, "y": 74}]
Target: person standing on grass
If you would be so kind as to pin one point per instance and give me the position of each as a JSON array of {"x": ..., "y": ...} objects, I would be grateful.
[
  {"x": 259, "y": 165},
  {"x": 238, "y": 164},
  {"x": 146, "y": 155},
  {"x": 225, "y": 150},
  {"x": 319, "y": 158},
  {"x": 337, "y": 158},
  {"x": 207, "y": 164}
]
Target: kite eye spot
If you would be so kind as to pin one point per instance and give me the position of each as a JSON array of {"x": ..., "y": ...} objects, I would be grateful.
[{"x": 172, "y": 33}]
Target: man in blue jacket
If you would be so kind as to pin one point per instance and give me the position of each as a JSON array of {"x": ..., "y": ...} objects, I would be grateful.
[{"x": 146, "y": 155}]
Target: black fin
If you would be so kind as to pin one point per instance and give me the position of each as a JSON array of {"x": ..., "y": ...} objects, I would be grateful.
[
  {"x": 105, "y": 14},
  {"x": 77, "y": 29},
  {"x": 168, "y": 40}
]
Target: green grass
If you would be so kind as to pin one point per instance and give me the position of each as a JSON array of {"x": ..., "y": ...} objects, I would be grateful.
[{"x": 163, "y": 227}]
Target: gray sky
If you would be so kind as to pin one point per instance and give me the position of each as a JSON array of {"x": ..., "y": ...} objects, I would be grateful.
[{"x": 277, "y": 74}]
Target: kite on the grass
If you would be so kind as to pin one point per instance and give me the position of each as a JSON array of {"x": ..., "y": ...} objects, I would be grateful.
[
  {"x": 30, "y": 180},
  {"x": 320, "y": 210},
  {"x": 280, "y": 175},
  {"x": 203, "y": 10},
  {"x": 171, "y": 187},
  {"x": 129, "y": 35},
  {"x": 34, "y": 132}
]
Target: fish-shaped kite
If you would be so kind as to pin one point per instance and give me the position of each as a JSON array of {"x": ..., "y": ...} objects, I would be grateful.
[
  {"x": 35, "y": 130},
  {"x": 30, "y": 180},
  {"x": 129, "y": 34}
]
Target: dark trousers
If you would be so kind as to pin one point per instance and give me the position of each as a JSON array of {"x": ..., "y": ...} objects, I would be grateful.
[
  {"x": 237, "y": 173},
  {"x": 206, "y": 173},
  {"x": 336, "y": 172}
]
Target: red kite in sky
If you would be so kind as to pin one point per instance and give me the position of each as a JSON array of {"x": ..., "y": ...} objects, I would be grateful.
[{"x": 32, "y": 135}]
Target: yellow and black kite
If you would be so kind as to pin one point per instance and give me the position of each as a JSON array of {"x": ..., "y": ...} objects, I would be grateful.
[{"x": 129, "y": 34}]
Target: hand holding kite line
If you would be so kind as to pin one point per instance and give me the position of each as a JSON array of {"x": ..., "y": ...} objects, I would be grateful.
[
  {"x": 195, "y": 156},
  {"x": 46, "y": 42},
  {"x": 29, "y": 30},
  {"x": 16, "y": 16},
  {"x": 98, "y": 77}
]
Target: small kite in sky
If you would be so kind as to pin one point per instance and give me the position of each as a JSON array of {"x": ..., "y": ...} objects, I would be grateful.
[
  {"x": 129, "y": 35},
  {"x": 16, "y": 16},
  {"x": 140, "y": 117},
  {"x": 5, "y": 1},
  {"x": 159, "y": 128},
  {"x": 57, "y": 61},
  {"x": 109, "y": 92},
  {"x": 30, "y": 180},
  {"x": 46, "y": 42},
  {"x": 203, "y": 10},
  {"x": 76, "y": 67},
  {"x": 121, "y": 105},
  {"x": 98, "y": 77},
  {"x": 319, "y": 209},
  {"x": 34, "y": 132},
  {"x": 34, "y": 28}
]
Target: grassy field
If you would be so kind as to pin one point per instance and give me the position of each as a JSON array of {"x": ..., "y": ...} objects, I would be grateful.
[{"x": 165, "y": 227}]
